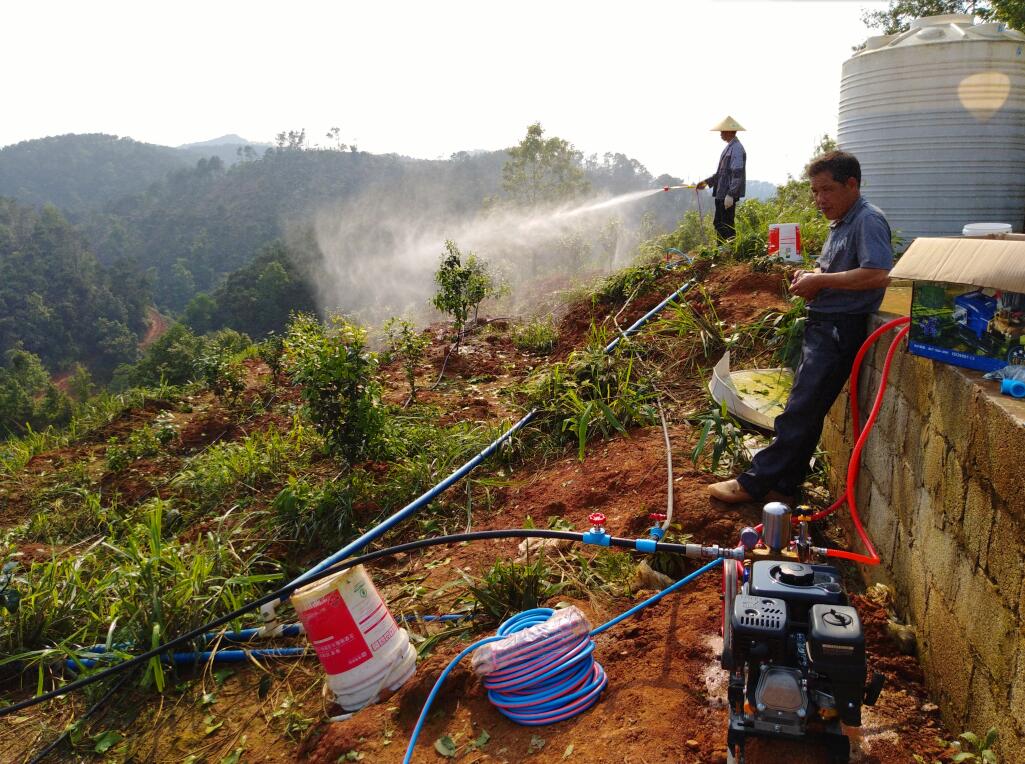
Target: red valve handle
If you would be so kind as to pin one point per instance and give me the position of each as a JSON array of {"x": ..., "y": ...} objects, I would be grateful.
[
  {"x": 657, "y": 516},
  {"x": 596, "y": 518}
]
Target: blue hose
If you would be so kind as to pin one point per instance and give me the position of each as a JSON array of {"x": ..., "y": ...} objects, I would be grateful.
[
  {"x": 636, "y": 325},
  {"x": 218, "y": 656},
  {"x": 245, "y": 635},
  {"x": 554, "y": 697}
]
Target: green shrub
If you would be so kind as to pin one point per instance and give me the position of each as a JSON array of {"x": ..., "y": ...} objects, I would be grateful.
[
  {"x": 317, "y": 515},
  {"x": 409, "y": 346},
  {"x": 340, "y": 392},
  {"x": 462, "y": 286},
  {"x": 225, "y": 377},
  {"x": 138, "y": 588},
  {"x": 635, "y": 279},
  {"x": 225, "y": 468},
  {"x": 723, "y": 436},
  {"x": 271, "y": 352}
]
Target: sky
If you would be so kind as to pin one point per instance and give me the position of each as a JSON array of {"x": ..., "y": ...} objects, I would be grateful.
[{"x": 426, "y": 79}]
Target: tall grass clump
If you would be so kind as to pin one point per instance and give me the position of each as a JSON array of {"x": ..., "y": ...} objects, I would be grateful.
[
  {"x": 138, "y": 589},
  {"x": 693, "y": 231},
  {"x": 592, "y": 392},
  {"x": 264, "y": 457},
  {"x": 538, "y": 335}
]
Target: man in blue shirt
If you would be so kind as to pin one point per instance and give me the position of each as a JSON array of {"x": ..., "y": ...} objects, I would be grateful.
[
  {"x": 728, "y": 182},
  {"x": 842, "y": 292}
]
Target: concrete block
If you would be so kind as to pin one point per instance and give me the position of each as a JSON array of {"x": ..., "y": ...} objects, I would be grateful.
[
  {"x": 986, "y": 698},
  {"x": 880, "y": 524},
  {"x": 945, "y": 657},
  {"x": 1004, "y": 559},
  {"x": 1016, "y": 703},
  {"x": 904, "y": 489},
  {"x": 879, "y": 458},
  {"x": 941, "y": 554},
  {"x": 913, "y": 447},
  {"x": 919, "y": 384},
  {"x": 977, "y": 521},
  {"x": 901, "y": 412},
  {"x": 952, "y": 394},
  {"x": 1005, "y": 458},
  {"x": 953, "y": 490},
  {"x": 990, "y": 625},
  {"x": 932, "y": 466}
]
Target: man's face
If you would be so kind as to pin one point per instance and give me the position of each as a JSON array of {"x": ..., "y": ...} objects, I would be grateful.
[
  {"x": 831, "y": 197},
  {"x": 727, "y": 135}
]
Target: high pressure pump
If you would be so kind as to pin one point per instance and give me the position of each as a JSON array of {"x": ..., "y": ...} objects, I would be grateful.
[{"x": 792, "y": 644}]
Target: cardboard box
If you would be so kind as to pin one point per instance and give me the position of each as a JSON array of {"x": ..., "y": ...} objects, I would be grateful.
[
  {"x": 785, "y": 241},
  {"x": 968, "y": 301}
]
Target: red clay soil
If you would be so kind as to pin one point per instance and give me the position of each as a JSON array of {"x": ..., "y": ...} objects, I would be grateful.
[
  {"x": 665, "y": 701},
  {"x": 666, "y": 695}
]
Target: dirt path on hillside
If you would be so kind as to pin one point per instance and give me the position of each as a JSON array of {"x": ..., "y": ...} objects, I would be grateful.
[{"x": 156, "y": 326}]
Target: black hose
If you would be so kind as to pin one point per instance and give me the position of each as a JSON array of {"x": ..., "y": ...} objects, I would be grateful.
[{"x": 286, "y": 592}]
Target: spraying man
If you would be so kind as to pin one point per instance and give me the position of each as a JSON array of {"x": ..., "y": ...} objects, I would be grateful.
[
  {"x": 842, "y": 292},
  {"x": 728, "y": 181}
]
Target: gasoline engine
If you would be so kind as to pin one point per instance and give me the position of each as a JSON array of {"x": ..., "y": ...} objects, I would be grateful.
[{"x": 793, "y": 646}]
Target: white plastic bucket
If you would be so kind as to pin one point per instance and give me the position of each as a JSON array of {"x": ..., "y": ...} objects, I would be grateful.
[
  {"x": 359, "y": 644},
  {"x": 985, "y": 229}
]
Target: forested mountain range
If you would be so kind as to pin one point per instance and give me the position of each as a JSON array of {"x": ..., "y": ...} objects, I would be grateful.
[
  {"x": 83, "y": 172},
  {"x": 227, "y": 237},
  {"x": 57, "y": 301}
]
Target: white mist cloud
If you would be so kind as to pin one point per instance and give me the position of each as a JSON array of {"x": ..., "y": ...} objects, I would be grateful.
[{"x": 379, "y": 254}]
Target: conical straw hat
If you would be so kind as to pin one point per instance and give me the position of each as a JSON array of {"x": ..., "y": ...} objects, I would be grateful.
[{"x": 728, "y": 125}]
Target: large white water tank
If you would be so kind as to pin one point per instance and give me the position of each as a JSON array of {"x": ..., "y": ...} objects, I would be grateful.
[{"x": 936, "y": 116}]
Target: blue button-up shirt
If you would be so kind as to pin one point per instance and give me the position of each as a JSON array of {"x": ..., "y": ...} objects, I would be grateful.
[{"x": 860, "y": 239}]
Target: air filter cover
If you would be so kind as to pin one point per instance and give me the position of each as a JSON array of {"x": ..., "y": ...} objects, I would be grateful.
[{"x": 759, "y": 617}]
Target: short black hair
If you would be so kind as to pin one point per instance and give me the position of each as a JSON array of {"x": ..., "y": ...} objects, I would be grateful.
[{"x": 839, "y": 164}]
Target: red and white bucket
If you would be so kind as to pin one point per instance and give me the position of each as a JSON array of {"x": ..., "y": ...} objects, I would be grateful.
[
  {"x": 785, "y": 242},
  {"x": 358, "y": 642}
]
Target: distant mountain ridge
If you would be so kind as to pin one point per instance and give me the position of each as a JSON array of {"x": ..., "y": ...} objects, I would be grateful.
[{"x": 230, "y": 139}]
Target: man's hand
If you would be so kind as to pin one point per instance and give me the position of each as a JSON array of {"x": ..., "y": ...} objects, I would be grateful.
[
  {"x": 806, "y": 284},
  {"x": 701, "y": 184},
  {"x": 727, "y": 202}
]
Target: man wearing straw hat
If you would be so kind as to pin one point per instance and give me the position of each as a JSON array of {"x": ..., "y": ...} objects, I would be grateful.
[{"x": 728, "y": 181}]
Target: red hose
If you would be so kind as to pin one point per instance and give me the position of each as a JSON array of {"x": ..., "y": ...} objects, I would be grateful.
[
  {"x": 854, "y": 466},
  {"x": 855, "y": 411}
]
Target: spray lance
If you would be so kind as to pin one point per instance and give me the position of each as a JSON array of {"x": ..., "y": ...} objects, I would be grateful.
[{"x": 697, "y": 196}]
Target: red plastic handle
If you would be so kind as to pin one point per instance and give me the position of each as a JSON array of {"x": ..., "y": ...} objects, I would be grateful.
[
  {"x": 596, "y": 518},
  {"x": 657, "y": 516}
]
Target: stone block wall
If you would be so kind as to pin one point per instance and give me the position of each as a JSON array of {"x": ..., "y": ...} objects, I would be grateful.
[{"x": 942, "y": 496}]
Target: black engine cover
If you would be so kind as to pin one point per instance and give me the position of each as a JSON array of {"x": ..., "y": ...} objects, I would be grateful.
[{"x": 800, "y": 585}]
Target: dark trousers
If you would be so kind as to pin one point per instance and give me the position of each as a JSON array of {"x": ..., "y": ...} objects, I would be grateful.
[
  {"x": 723, "y": 220},
  {"x": 827, "y": 354}
]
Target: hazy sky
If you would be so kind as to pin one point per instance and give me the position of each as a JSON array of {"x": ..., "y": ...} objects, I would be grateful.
[{"x": 426, "y": 79}]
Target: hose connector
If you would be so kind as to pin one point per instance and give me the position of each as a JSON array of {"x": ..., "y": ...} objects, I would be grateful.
[{"x": 269, "y": 616}]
